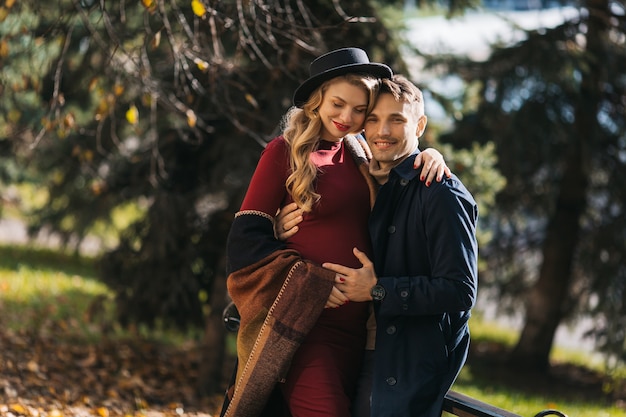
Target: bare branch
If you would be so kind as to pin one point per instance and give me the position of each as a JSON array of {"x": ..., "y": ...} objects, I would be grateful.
[{"x": 56, "y": 97}]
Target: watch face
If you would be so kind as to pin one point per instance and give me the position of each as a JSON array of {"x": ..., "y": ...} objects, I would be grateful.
[{"x": 378, "y": 292}]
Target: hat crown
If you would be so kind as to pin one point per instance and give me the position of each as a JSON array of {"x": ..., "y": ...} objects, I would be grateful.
[
  {"x": 338, "y": 58},
  {"x": 337, "y": 63}
]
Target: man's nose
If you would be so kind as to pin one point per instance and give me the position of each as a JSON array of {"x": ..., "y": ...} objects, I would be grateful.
[{"x": 383, "y": 129}]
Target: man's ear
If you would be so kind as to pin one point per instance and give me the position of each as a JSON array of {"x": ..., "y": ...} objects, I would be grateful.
[{"x": 421, "y": 125}]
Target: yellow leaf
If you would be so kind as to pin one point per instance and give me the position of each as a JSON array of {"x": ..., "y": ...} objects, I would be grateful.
[
  {"x": 3, "y": 14},
  {"x": 118, "y": 89},
  {"x": 191, "y": 118},
  {"x": 9, "y": 3},
  {"x": 150, "y": 5},
  {"x": 69, "y": 121},
  {"x": 146, "y": 100},
  {"x": 103, "y": 411},
  {"x": 97, "y": 188},
  {"x": 102, "y": 109},
  {"x": 4, "y": 49},
  {"x": 174, "y": 406},
  {"x": 250, "y": 99},
  {"x": 18, "y": 408},
  {"x": 55, "y": 413},
  {"x": 141, "y": 403},
  {"x": 47, "y": 124},
  {"x": 198, "y": 8},
  {"x": 132, "y": 115},
  {"x": 88, "y": 155},
  {"x": 202, "y": 65},
  {"x": 156, "y": 41},
  {"x": 93, "y": 83},
  {"x": 61, "y": 133}
]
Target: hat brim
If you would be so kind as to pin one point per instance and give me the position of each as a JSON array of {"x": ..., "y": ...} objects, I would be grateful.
[{"x": 303, "y": 92}]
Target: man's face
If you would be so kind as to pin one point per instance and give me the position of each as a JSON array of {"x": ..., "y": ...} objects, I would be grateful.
[{"x": 392, "y": 130}]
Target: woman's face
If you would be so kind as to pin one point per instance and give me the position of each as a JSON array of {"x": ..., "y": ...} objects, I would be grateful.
[{"x": 342, "y": 110}]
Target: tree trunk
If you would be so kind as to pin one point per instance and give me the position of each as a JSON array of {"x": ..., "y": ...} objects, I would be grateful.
[
  {"x": 547, "y": 300},
  {"x": 217, "y": 365}
]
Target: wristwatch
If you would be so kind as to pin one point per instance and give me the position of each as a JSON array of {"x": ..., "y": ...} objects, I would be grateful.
[{"x": 378, "y": 292}]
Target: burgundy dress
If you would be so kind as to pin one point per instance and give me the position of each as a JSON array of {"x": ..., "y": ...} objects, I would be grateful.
[{"x": 323, "y": 373}]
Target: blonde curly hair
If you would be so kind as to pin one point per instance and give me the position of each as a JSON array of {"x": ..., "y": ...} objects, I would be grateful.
[{"x": 302, "y": 129}]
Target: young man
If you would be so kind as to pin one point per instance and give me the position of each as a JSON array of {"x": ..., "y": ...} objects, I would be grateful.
[{"x": 423, "y": 278}]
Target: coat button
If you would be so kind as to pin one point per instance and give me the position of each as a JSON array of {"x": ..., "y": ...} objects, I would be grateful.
[
  {"x": 391, "y": 329},
  {"x": 391, "y": 381},
  {"x": 391, "y": 229},
  {"x": 404, "y": 182},
  {"x": 405, "y": 307},
  {"x": 404, "y": 293}
]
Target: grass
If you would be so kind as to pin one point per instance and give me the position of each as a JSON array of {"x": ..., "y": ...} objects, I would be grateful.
[
  {"x": 51, "y": 292},
  {"x": 43, "y": 289},
  {"x": 48, "y": 292},
  {"x": 529, "y": 404},
  {"x": 480, "y": 386}
]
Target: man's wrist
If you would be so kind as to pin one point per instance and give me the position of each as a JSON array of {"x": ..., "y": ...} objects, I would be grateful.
[{"x": 378, "y": 292}]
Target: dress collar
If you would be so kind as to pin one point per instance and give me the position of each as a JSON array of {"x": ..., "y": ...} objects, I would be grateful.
[{"x": 327, "y": 145}]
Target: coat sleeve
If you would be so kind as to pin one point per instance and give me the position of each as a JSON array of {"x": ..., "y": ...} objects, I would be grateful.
[
  {"x": 251, "y": 237},
  {"x": 448, "y": 215}
]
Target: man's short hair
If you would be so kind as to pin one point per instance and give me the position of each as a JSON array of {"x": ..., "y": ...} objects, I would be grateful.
[{"x": 404, "y": 90}]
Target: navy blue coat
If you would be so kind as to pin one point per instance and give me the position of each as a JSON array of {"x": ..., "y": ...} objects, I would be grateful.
[{"x": 426, "y": 259}]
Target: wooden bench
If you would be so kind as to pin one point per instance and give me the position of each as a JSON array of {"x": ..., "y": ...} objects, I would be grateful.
[{"x": 463, "y": 406}]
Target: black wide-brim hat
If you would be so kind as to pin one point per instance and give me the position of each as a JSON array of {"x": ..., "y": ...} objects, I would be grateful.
[{"x": 338, "y": 62}]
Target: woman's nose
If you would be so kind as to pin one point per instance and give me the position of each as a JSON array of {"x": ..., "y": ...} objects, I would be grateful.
[{"x": 346, "y": 116}]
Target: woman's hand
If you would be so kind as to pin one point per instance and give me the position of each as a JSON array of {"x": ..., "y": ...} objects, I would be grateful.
[
  {"x": 336, "y": 299},
  {"x": 433, "y": 166}
]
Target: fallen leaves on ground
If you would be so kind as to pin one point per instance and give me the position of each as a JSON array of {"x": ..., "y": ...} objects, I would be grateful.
[{"x": 46, "y": 377}]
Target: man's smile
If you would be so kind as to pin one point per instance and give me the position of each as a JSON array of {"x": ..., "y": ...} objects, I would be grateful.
[{"x": 383, "y": 143}]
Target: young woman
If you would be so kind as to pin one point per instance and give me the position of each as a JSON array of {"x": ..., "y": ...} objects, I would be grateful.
[{"x": 296, "y": 357}]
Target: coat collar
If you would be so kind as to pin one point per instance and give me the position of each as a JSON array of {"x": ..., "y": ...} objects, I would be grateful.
[{"x": 405, "y": 169}]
